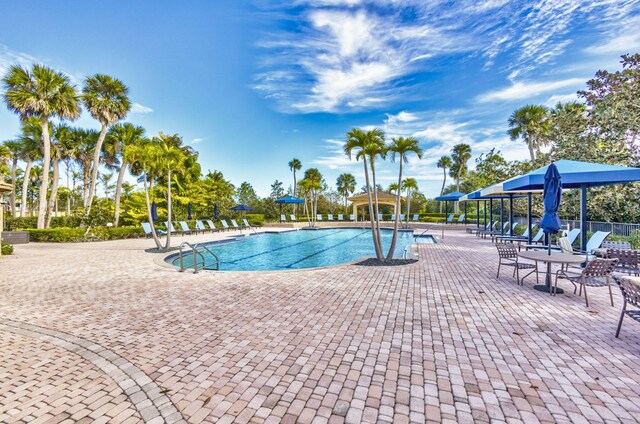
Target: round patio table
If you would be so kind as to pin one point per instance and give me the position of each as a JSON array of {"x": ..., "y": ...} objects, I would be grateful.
[{"x": 555, "y": 258}]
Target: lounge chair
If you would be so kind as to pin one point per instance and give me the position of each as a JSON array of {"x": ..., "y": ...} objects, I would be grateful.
[
  {"x": 524, "y": 236},
  {"x": 416, "y": 217},
  {"x": 340, "y": 217},
  {"x": 507, "y": 233},
  {"x": 461, "y": 219},
  {"x": 319, "y": 217},
  {"x": 402, "y": 217},
  {"x": 146, "y": 227},
  {"x": 225, "y": 226},
  {"x": 171, "y": 228},
  {"x": 481, "y": 233},
  {"x": 293, "y": 218},
  {"x": 573, "y": 235},
  {"x": 449, "y": 219},
  {"x": 630, "y": 289},
  {"x": 201, "y": 227},
  {"x": 185, "y": 227},
  {"x": 245, "y": 223},
  {"x": 393, "y": 217},
  {"x": 330, "y": 217},
  {"x": 283, "y": 218},
  {"x": 212, "y": 225},
  {"x": 475, "y": 230},
  {"x": 352, "y": 217},
  {"x": 235, "y": 225},
  {"x": 379, "y": 217}
]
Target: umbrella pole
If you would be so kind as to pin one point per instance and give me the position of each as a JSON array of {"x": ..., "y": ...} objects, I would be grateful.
[
  {"x": 583, "y": 217},
  {"x": 529, "y": 216},
  {"x": 491, "y": 211},
  {"x": 478, "y": 213},
  {"x": 465, "y": 213},
  {"x": 484, "y": 210},
  {"x": 511, "y": 213},
  {"x": 502, "y": 216}
]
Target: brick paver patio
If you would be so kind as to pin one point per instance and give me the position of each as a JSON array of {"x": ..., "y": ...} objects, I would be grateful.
[{"x": 98, "y": 332}]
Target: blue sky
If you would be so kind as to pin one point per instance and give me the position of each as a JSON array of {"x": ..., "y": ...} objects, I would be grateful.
[{"x": 252, "y": 84}]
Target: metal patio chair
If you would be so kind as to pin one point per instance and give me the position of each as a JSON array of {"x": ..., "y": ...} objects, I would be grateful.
[
  {"x": 508, "y": 255},
  {"x": 630, "y": 288},
  {"x": 596, "y": 273}
]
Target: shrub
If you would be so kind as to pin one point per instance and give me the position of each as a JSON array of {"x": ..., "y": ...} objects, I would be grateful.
[
  {"x": 6, "y": 248},
  {"x": 66, "y": 235},
  {"x": 255, "y": 219}
]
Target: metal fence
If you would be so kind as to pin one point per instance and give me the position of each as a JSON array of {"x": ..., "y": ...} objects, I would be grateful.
[{"x": 616, "y": 228}]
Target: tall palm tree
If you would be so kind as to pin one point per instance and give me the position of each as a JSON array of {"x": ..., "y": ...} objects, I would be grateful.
[
  {"x": 30, "y": 152},
  {"x": 461, "y": 153},
  {"x": 84, "y": 146},
  {"x": 411, "y": 186},
  {"x": 61, "y": 136},
  {"x": 445, "y": 163},
  {"x": 346, "y": 184},
  {"x": 44, "y": 94},
  {"x": 313, "y": 184},
  {"x": 119, "y": 138},
  {"x": 106, "y": 100},
  {"x": 400, "y": 147},
  {"x": 295, "y": 165},
  {"x": 531, "y": 124},
  {"x": 14, "y": 147},
  {"x": 368, "y": 145}
]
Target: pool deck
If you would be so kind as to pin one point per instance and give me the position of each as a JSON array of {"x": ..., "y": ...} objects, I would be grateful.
[{"x": 97, "y": 332}]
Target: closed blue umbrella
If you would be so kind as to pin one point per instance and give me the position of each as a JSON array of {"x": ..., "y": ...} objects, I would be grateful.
[
  {"x": 216, "y": 213},
  {"x": 189, "y": 211},
  {"x": 154, "y": 211},
  {"x": 550, "y": 222},
  {"x": 241, "y": 208}
]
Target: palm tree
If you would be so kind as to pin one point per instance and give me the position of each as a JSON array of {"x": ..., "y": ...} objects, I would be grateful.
[
  {"x": 411, "y": 185},
  {"x": 106, "y": 100},
  {"x": 295, "y": 165},
  {"x": 85, "y": 144},
  {"x": 346, "y": 184},
  {"x": 30, "y": 152},
  {"x": 14, "y": 148},
  {"x": 368, "y": 145},
  {"x": 41, "y": 93},
  {"x": 120, "y": 138},
  {"x": 445, "y": 163},
  {"x": 401, "y": 147},
  {"x": 61, "y": 139},
  {"x": 531, "y": 124},
  {"x": 313, "y": 185},
  {"x": 461, "y": 153}
]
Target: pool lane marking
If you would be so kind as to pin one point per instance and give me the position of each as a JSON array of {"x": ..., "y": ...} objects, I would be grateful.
[
  {"x": 282, "y": 247},
  {"x": 290, "y": 266}
]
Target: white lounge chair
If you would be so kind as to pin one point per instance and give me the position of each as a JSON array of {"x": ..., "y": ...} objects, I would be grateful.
[
  {"x": 319, "y": 217},
  {"x": 283, "y": 218},
  {"x": 235, "y": 225},
  {"x": 212, "y": 225},
  {"x": 416, "y": 217},
  {"x": 225, "y": 226},
  {"x": 170, "y": 227},
  {"x": 293, "y": 218},
  {"x": 352, "y": 217},
  {"x": 402, "y": 217},
  {"x": 330, "y": 217},
  {"x": 340, "y": 217},
  {"x": 201, "y": 227},
  {"x": 146, "y": 227}
]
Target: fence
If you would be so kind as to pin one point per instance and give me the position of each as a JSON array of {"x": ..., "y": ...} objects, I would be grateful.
[{"x": 616, "y": 228}]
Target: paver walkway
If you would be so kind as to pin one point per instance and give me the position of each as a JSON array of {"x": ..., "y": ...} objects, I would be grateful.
[{"x": 99, "y": 333}]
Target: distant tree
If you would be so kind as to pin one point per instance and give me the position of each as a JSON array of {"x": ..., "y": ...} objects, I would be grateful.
[
  {"x": 246, "y": 195},
  {"x": 460, "y": 155},
  {"x": 277, "y": 190},
  {"x": 346, "y": 185},
  {"x": 530, "y": 123},
  {"x": 411, "y": 186},
  {"x": 445, "y": 163}
]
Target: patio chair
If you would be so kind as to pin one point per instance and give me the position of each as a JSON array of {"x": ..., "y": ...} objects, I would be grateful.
[
  {"x": 496, "y": 232},
  {"x": 508, "y": 255},
  {"x": 481, "y": 233},
  {"x": 630, "y": 289},
  {"x": 171, "y": 228},
  {"x": 461, "y": 219},
  {"x": 246, "y": 224},
  {"x": 449, "y": 219},
  {"x": 340, "y": 217},
  {"x": 628, "y": 261},
  {"x": 235, "y": 225},
  {"x": 330, "y": 217},
  {"x": 573, "y": 235},
  {"x": 524, "y": 236},
  {"x": 615, "y": 245},
  {"x": 416, "y": 217},
  {"x": 474, "y": 230},
  {"x": 212, "y": 226},
  {"x": 319, "y": 217},
  {"x": 393, "y": 217},
  {"x": 146, "y": 227},
  {"x": 225, "y": 226},
  {"x": 592, "y": 275},
  {"x": 283, "y": 218},
  {"x": 185, "y": 227},
  {"x": 379, "y": 217},
  {"x": 352, "y": 217},
  {"x": 507, "y": 233},
  {"x": 402, "y": 217},
  {"x": 293, "y": 218},
  {"x": 201, "y": 227}
]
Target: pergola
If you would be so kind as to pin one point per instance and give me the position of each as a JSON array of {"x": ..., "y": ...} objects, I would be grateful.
[
  {"x": 4, "y": 188},
  {"x": 384, "y": 198}
]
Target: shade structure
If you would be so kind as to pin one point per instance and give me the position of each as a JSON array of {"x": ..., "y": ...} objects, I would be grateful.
[
  {"x": 580, "y": 175},
  {"x": 289, "y": 199},
  {"x": 154, "y": 211},
  {"x": 241, "y": 208},
  {"x": 450, "y": 197}
]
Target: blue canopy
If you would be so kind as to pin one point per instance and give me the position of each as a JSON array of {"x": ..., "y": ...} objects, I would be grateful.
[
  {"x": 550, "y": 222},
  {"x": 576, "y": 174},
  {"x": 450, "y": 197},
  {"x": 240, "y": 208},
  {"x": 289, "y": 199}
]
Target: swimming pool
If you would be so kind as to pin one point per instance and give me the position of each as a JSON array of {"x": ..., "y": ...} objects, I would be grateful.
[{"x": 299, "y": 249}]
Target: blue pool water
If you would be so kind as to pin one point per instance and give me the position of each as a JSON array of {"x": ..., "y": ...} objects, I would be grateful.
[{"x": 300, "y": 249}]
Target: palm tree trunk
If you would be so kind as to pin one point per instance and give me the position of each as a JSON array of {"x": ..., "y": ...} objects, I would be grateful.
[
  {"x": 377, "y": 221},
  {"x": 116, "y": 214},
  {"x": 153, "y": 227},
  {"x": 294, "y": 191},
  {"x": 44, "y": 183},
  {"x": 12, "y": 195},
  {"x": 168, "y": 242},
  {"x": 25, "y": 188},
  {"x": 54, "y": 192},
  {"x": 444, "y": 182},
  {"x": 95, "y": 164},
  {"x": 408, "y": 205},
  {"x": 397, "y": 214},
  {"x": 376, "y": 245},
  {"x": 531, "y": 151}
]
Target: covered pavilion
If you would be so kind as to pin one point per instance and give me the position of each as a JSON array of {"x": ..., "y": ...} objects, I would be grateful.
[{"x": 384, "y": 198}]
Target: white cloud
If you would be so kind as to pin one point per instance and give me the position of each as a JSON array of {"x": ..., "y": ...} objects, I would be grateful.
[
  {"x": 138, "y": 108},
  {"x": 561, "y": 98},
  {"x": 198, "y": 140},
  {"x": 527, "y": 90}
]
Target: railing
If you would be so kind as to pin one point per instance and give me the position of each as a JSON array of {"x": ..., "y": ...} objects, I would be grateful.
[
  {"x": 616, "y": 228},
  {"x": 199, "y": 260}
]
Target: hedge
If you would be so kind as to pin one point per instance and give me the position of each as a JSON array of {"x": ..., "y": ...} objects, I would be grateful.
[
  {"x": 66, "y": 234},
  {"x": 6, "y": 248},
  {"x": 255, "y": 219}
]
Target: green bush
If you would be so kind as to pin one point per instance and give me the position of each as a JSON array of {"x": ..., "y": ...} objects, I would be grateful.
[
  {"x": 14, "y": 224},
  {"x": 6, "y": 248},
  {"x": 255, "y": 219},
  {"x": 65, "y": 235}
]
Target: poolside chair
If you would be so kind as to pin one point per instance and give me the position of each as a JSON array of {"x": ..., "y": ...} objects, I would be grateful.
[
  {"x": 508, "y": 255},
  {"x": 592, "y": 275},
  {"x": 573, "y": 235},
  {"x": 146, "y": 227},
  {"x": 283, "y": 218},
  {"x": 630, "y": 289},
  {"x": 507, "y": 233},
  {"x": 246, "y": 224},
  {"x": 449, "y": 219},
  {"x": 352, "y": 217},
  {"x": 416, "y": 217},
  {"x": 628, "y": 261},
  {"x": 185, "y": 228},
  {"x": 393, "y": 217},
  {"x": 340, "y": 217},
  {"x": 487, "y": 227},
  {"x": 293, "y": 218},
  {"x": 615, "y": 245},
  {"x": 201, "y": 227},
  {"x": 212, "y": 225},
  {"x": 171, "y": 228},
  {"x": 379, "y": 217},
  {"x": 235, "y": 225},
  {"x": 461, "y": 219},
  {"x": 319, "y": 217},
  {"x": 402, "y": 217},
  {"x": 492, "y": 227},
  {"x": 330, "y": 217},
  {"x": 225, "y": 226}
]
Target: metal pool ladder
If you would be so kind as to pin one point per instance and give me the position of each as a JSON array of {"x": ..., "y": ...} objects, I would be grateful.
[
  {"x": 415, "y": 238},
  {"x": 199, "y": 261}
]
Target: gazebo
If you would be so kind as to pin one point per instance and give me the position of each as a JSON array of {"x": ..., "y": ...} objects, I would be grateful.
[
  {"x": 384, "y": 198},
  {"x": 580, "y": 175},
  {"x": 4, "y": 188}
]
